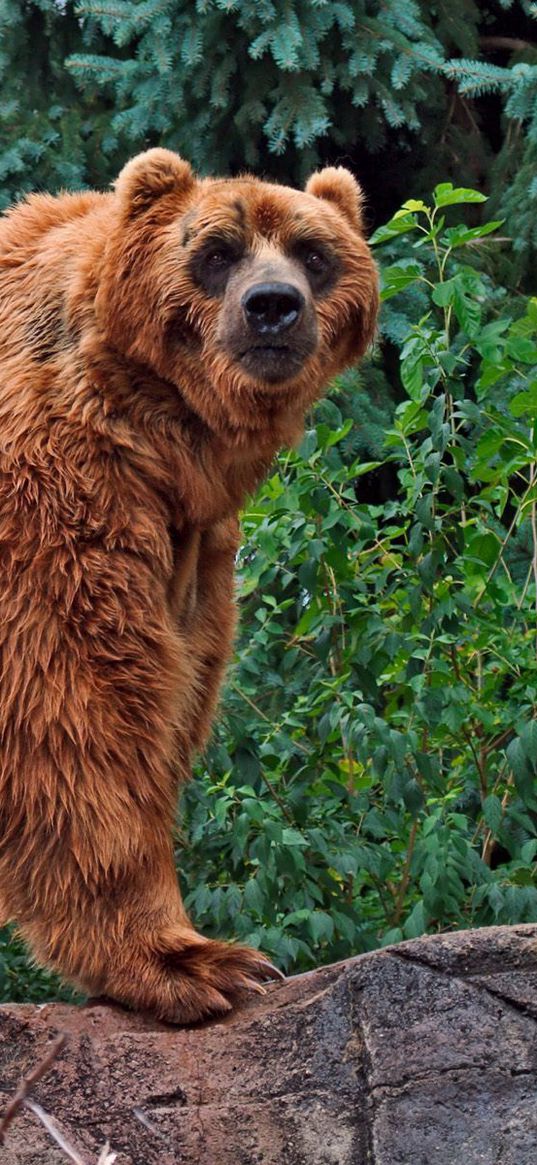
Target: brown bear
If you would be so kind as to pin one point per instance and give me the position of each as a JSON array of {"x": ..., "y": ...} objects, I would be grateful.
[{"x": 158, "y": 344}]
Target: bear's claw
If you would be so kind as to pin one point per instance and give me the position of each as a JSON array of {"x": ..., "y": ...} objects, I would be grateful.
[{"x": 270, "y": 972}]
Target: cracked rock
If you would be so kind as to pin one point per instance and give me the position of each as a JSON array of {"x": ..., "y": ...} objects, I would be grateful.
[{"x": 420, "y": 1053}]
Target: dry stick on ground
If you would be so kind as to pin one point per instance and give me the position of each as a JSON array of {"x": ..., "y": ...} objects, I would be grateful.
[
  {"x": 27, "y": 1083},
  {"x": 22, "y": 1099},
  {"x": 53, "y": 1131},
  {"x": 105, "y": 1156}
]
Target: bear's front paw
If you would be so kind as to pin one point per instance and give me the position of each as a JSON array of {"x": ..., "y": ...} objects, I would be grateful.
[
  {"x": 191, "y": 978},
  {"x": 209, "y": 977}
]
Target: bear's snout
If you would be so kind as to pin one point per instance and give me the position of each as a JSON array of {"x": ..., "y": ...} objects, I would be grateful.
[
  {"x": 268, "y": 322},
  {"x": 272, "y": 308},
  {"x": 277, "y": 333}
]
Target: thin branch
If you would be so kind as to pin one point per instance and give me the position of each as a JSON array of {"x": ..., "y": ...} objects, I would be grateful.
[
  {"x": 499, "y": 741},
  {"x": 480, "y": 763},
  {"x": 144, "y": 1120},
  {"x": 406, "y": 874},
  {"x": 513, "y": 44},
  {"x": 26, "y": 1084},
  {"x": 503, "y": 544},
  {"x": 22, "y": 1099},
  {"x": 520, "y": 603},
  {"x": 264, "y": 716},
  {"x": 277, "y": 798},
  {"x": 105, "y": 1156},
  {"x": 489, "y": 839},
  {"x": 249, "y": 701}
]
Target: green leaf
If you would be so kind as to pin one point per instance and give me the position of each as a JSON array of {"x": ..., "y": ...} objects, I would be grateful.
[
  {"x": 415, "y": 924},
  {"x": 496, "y": 900},
  {"x": 460, "y": 291},
  {"x": 253, "y": 899},
  {"x": 524, "y": 402},
  {"x": 293, "y": 837},
  {"x": 443, "y": 293},
  {"x": 400, "y": 224},
  {"x": 320, "y": 926},
  {"x": 397, "y": 278},
  {"x": 414, "y": 204},
  {"x": 483, "y": 548},
  {"x": 460, "y": 235},
  {"x": 523, "y": 349},
  {"x": 412, "y": 371},
  {"x": 454, "y": 482},
  {"x": 445, "y": 194},
  {"x": 528, "y": 738},
  {"x": 528, "y": 851},
  {"x": 297, "y": 916},
  {"x": 516, "y": 757},
  {"x": 492, "y": 812},
  {"x": 413, "y": 797}
]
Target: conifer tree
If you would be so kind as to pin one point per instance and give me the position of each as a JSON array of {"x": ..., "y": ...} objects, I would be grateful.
[
  {"x": 513, "y": 177},
  {"x": 283, "y": 85},
  {"x": 51, "y": 135},
  {"x": 272, "y": 84},
  {"x": 278, "y": 86}
]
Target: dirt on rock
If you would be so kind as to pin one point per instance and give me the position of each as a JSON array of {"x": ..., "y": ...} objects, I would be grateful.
[{"x": 419, "y": 1054}]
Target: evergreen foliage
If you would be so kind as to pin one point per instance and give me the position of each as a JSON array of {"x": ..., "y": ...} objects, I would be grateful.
[
  {"x": 278, "y": 87},
  {"x": 225, "y": 82},
  {"x": 284, "y": 85},
  {"x": 513, "y": 179},
  {"x": 50, "y": 138}
]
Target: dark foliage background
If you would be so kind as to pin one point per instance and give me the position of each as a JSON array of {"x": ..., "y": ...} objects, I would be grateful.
[{"x": 373, "y": 772}]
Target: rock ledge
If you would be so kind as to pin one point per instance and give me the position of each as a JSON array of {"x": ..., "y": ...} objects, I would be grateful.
[{"x": 420, "y": 1053}]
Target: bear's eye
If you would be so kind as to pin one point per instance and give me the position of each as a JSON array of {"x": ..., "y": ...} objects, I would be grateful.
[
  {"x": 315, "y": 262},
  {"x": 218, "y": 259},
  {"x": 321, "y": 265},
  {"x": 212, "y": 264}
]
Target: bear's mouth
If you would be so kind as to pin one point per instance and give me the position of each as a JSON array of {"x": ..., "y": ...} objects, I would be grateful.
[{"x": 272, "y": 362}]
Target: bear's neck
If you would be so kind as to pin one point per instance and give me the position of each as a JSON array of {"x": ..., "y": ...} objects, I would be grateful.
[{"x": 203, "y": 474}]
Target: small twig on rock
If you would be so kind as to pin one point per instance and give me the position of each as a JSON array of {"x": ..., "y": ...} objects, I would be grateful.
[
  {"x": 53, "y": 1131},
  {"x": 144, "y": 1120},
  {"x": 26, "y": 1084},
  {"x": 105, "y": 1156}
]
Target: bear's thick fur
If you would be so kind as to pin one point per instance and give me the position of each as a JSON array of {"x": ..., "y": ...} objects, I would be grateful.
[{"x": 157, "y": 344}]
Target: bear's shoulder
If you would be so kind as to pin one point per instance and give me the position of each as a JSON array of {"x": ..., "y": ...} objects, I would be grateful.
[{"x": 23, "y": 225}]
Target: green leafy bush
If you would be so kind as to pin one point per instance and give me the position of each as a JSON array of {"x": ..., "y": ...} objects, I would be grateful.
[
  {"x": 21, "y": 981},
  {"x": 374, "y": 775}
]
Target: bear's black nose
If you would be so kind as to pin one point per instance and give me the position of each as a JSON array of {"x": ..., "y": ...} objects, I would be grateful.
[{"x": 271, "y": 308}]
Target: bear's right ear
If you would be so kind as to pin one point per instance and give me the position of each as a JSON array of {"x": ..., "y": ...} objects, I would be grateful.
[
  {"x": 337, "y": 185},
  {"x": 149, "y": 176}
]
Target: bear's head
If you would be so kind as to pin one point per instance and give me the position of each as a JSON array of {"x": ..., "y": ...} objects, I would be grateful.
[{"x": 244, "y": 295}]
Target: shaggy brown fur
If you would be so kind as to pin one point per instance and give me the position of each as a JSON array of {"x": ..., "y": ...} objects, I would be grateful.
[{"x": 158, "y": 344}]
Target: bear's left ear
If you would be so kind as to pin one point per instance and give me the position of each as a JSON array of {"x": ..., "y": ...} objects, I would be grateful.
[
  {"x": 149, "y": 176},
  {"x": 337, "y": 185}
]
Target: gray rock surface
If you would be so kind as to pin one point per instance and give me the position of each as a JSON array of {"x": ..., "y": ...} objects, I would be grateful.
[{"x": 420, "y": 1054}]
